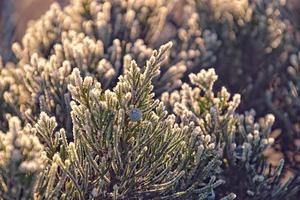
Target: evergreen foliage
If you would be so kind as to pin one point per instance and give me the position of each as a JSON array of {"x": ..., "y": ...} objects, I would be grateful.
[{"x": 91, "y": 110}]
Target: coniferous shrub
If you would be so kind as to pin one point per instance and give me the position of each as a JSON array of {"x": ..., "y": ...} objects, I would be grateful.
[
  {"x": 240, "y": 139},
  {"x": 283, "y": 101},
  {"x": 22, "y": 158},
  {"x": 99, "y": 125},
  {"x": 98, "y": 37},
  {"x": 258, "y": 42},
  {"x": 126, "y": 145},
  {"x": 252, "y": 36}
]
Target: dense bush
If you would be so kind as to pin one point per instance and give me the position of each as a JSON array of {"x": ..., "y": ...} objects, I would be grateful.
[
  {"x": 98, "y": 38},
  {"x": 106, "y": 116},
  {"x": 126, "y": 145},
  {"x": 256, "y": 58}
]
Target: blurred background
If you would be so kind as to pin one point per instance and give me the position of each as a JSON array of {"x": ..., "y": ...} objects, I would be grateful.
[
  {"x": 14, "y": 18},
  {"x": 16, "y": 14}
]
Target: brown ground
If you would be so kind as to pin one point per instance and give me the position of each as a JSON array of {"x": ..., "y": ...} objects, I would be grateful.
[{"x": 27, "y": 10}]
